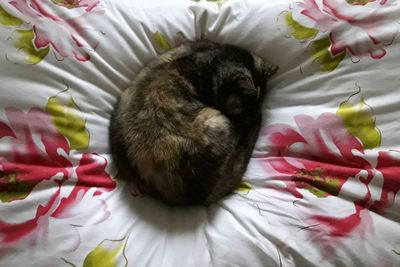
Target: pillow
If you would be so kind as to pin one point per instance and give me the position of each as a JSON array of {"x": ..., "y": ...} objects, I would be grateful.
[{"x": 321, "y": 189}]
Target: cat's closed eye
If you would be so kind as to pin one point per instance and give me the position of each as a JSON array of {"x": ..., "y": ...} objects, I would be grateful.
[
  {"x": 247, "y": 87},
  {"x": 234, "y": 105}
]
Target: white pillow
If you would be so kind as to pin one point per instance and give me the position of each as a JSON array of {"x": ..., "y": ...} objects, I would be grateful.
[{"x": 322, "y": 188}]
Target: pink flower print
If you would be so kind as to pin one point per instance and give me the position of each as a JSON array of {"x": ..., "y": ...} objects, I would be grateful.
[
  {"x": 88, "y": 4},
  {"x": 321, "y": 147},
  {"x": 389, "y": 166},
  {"x": 320, "y": 156},
  {"x": 360, "y": 29},
  {"x": 70, "y": 32},
  {"x": 38, "y": 156}
]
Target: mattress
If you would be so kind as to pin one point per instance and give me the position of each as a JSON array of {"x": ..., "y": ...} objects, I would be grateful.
[{"x": 322, "y": 187}]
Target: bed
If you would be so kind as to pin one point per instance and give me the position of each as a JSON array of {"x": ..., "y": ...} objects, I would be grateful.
[{"x": 322, "y": 187}]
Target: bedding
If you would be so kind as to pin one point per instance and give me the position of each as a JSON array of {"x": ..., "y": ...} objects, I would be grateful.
[{"x": 322, "y": 187}]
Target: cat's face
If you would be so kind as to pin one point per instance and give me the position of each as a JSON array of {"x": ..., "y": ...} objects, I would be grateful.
[{"x": 244, "y": 86}]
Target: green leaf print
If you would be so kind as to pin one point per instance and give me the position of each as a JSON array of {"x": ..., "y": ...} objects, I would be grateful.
[
  {"x": 297, "y": 30},
  {"x": 109, "y": 253},
  {"x": 162, "y": 44},
  {"x": 317, "y": 183},
  {"x": 9, "y": 20},
  {"x": 244, "y": 188},
  {"x": 13, "y": 189},
  {"x": 358, "y": 2},
  {"x": 67, "y": 3},
  {"x": 69, "y": 121},
  {"x": 359, "y": 120},
  {"x": 320, "y": 52},
  {"x": 24, "y": 43}
]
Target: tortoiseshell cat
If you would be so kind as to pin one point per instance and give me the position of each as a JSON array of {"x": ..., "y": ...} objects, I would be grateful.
[{"x": 185, "y": 130}]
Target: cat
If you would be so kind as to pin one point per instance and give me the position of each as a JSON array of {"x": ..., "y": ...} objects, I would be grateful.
[{"x": 184, "y": 131}]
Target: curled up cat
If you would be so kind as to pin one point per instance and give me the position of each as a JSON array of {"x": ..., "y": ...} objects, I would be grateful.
[{"x": 184, "y": 131}]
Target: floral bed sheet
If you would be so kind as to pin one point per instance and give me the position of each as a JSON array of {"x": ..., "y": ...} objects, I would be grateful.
[{"x": 322, "y": 187}]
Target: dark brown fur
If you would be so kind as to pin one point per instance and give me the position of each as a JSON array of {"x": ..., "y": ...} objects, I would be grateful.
[{"x": 185, "y": 130}]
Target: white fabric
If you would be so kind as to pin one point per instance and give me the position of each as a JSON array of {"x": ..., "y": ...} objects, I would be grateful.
[{"x": 279, "y": 220}]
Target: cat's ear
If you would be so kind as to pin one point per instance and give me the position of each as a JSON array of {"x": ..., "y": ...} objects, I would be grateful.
[
  {"x": 269, "y": 69},
  {"x": 266, "y": 68},
  {"x": 180, "y": 39}
]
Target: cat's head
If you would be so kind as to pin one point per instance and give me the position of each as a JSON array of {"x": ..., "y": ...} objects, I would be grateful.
[{"x": 243, "y": 84}]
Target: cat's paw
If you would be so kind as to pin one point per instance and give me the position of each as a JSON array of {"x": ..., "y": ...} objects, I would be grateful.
[
  {"x": 234, "y": 105},
  {"x": 211, "y": 123}
]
